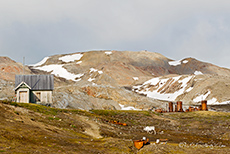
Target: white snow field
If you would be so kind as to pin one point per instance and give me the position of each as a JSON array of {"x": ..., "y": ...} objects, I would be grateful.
[
  {"x": 177, "y": 62},
  {"x": 60, "y": 71},
  {"x": 198, "y": 73},
  {"x": 127, "y": 108},
  {"x": 202, "y": 97},
  {"x": 158, "y": 93},
  {"x": 159, "y": 83},
  {"x": 71, "y": 58}
]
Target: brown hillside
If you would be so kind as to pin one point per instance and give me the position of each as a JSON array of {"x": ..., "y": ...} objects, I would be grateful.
[
  {"x": 107, "y": 73},
  {"x": 9, "y": 68},
  {"x": 195, "y": 65}
]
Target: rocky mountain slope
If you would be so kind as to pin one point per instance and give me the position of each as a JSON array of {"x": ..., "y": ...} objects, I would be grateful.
[
  {"x": 105, "y": 79},
  {"x": 8, "y": 70},
  {"x": 190, "y": 89}
]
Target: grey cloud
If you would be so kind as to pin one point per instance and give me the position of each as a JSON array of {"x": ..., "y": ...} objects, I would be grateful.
[{"x": 176, "y": 29}]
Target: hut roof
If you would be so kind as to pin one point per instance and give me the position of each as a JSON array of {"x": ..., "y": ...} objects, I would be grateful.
[{"x": 36, "y": 82}]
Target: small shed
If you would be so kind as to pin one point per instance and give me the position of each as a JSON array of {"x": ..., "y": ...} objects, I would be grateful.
[{"x": 34, "y": 88}]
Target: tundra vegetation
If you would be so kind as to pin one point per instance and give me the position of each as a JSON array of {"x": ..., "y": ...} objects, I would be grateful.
[{"x": 31, "y": 128}]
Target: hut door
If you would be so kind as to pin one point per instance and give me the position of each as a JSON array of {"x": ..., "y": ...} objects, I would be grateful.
[{"x": 23, "y": 97}]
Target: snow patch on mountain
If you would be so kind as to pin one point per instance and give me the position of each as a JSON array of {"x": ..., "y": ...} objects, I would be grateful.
[
  {"x": 100, "y": 72},
  {"x": 198, "y": 73},
  {"x": 60, "y": 71},
  {"x": 79, "y": 62},
  {"x": 189, "y": 89},
  {"x": 175, "y": 63},
  {"x": 95, "y": 70},
  {"x": 41, "y": 62},
  {"x": 108, "y": 52},
  {"x": 156, "y": 87},
  {"x": 127, "y": 108},
  {"x": 214, "y": 101},
  {"x": 91, "y": 79},
  {"x": 70, "y": 58},
  {"x": 92, "y": 70},
  {"x": 185, "y": 61},
  {"x": 202, "y": 97}
]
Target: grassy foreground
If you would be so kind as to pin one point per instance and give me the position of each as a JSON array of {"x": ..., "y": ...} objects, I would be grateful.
[{"x": 31, "y": 128}]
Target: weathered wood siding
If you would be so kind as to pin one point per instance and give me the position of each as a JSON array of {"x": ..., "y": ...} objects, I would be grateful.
[
  {"x": 41, "y": 96},
  {"x": 23, "y": 98}
]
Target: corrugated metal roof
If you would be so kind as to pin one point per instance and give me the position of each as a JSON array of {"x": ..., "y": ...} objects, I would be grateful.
[{"x": 36, "y": 82}]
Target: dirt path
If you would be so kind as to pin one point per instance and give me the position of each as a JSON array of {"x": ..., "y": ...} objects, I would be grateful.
[{"x": 93, "y": 129}]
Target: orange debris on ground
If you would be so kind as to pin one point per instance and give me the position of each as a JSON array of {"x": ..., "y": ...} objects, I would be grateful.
[
  {"x": 140, "y": 143},
  {"x": 161, "y": 141},
  {"x": 118, "y": 123}
]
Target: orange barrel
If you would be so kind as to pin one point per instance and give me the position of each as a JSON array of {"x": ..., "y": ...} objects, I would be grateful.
[
  {"x": 200, "y": 107},
  {"x": 176, "y": 108},
  {"x": 179, "y": 106},
  {"x": 170, "y": 106},
  {"x": 204, "y": 105}
]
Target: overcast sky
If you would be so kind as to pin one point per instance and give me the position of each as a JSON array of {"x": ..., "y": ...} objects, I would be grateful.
[{"x": 175, "y": 28}]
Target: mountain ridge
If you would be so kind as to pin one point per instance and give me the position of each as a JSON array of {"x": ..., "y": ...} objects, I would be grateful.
[{"x": 99, "y": 79}]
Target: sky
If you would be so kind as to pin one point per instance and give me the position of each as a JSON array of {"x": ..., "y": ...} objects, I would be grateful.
[{"x": 177, "y": 29}]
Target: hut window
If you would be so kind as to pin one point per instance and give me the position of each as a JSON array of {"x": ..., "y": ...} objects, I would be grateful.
[{"x": 38, "y": 96}]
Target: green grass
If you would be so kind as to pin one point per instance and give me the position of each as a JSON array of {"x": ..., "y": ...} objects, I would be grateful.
[
  {"x": 35, "y": 107},
  {"x": 39, "y": 108},
  {"x": 53, "y": 118},
  {"x": 105, "y": 112},
  {"x": 119, "y": 112}
]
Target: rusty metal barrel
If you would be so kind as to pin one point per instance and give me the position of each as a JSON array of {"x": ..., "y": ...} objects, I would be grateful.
[
  {"x": 179, "y": 106},
  {"x": 176, "y": 108},
  {"x": 200, "y": 107},
  {"x": 204, "y": 105},
  {"x": 170, "y": 106},
  {"x": 190, "y": 109}
]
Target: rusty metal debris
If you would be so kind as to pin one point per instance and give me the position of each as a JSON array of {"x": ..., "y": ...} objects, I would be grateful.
[
  {"x": 178, "y": 107},
  {"x": 140, "y": 143},
  {"x": 170, "y": 106},
  {"x": 161, "y": 141},
  {"x": 118, "y": 123},
  {"x": 115, "y": 122}
]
